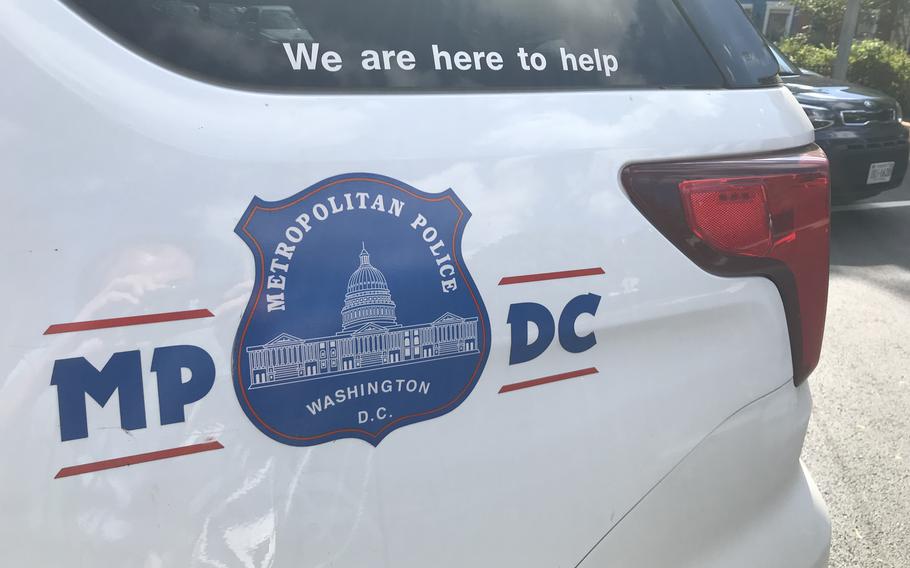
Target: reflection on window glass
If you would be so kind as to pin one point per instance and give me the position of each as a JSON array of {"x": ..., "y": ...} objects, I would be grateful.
[
  {"x": 390, "y": 43},
  {"x": 777, "y": 24},
  {"x": 278, "y": 19}
]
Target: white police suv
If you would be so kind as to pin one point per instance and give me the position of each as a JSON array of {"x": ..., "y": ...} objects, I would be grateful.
[{"x": 405, "y": 284}]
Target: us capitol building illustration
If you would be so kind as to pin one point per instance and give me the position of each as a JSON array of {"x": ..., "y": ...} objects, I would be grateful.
[{"x": 370, "y": 336}]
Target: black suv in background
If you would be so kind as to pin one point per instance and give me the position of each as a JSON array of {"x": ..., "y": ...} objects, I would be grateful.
[{"x": 860, "y": 130}]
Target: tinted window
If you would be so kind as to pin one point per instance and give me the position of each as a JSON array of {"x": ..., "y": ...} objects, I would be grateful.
[
  {"x": 737, "y": 47},
  {"x": 566, "y": 43}
]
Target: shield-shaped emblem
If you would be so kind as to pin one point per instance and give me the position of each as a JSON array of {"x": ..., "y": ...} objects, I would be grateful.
[{"x": 363, "y": 317}]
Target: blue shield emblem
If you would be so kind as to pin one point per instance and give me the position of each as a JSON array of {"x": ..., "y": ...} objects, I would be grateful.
[{"x": 363, "y": 317}]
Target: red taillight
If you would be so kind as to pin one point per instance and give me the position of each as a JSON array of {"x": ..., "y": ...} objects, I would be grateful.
[
  {"x": 730, "y": 214},
  {"x": 764, "y": 216}
]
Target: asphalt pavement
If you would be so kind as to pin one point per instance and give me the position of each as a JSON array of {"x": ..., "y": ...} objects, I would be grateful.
[{"x": 858, "y": 445}]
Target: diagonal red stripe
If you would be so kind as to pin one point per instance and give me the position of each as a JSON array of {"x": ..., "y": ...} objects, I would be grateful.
[
  {"x": 551, "y": 276},
  {"x": 138, "y": 458},
  {"x": 125, "y": 321},
  {"x": 547, "y": 380}
]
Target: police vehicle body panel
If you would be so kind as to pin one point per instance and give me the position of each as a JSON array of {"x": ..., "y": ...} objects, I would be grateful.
[{"x": 672, "y": 439}]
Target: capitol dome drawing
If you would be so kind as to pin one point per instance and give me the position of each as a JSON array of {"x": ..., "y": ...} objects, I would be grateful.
[
  {"x": 368, "y": 299},
  {"x": 370, "y": 337}
]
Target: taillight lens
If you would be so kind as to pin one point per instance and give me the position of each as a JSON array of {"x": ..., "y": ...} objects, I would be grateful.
[{"x": 763, "y": 216}]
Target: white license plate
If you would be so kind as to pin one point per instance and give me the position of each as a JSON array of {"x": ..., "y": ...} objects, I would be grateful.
[{"x": 880, "y": 172}]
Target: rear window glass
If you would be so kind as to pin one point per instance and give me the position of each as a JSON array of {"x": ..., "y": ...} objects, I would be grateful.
[
  {"x": 415, "y": 44},
  {"x": 738, "y": 48}
]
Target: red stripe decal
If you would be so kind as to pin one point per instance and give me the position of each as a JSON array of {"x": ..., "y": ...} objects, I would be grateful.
[
  {"x": 129, "y": 320},
  {"x": 551, "y": 276},
  {"x": 138, "y": 458},
  {"x": 547, "y": 380}
]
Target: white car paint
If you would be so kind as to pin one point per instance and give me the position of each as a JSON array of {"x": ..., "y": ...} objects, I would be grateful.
[{"x": 123, "y": 182}]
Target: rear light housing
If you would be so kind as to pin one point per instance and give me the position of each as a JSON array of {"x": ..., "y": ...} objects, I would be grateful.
[{"x": 766, "y": 215}]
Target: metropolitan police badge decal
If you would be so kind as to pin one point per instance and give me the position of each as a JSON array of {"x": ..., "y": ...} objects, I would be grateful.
[{"x": 363, "y": 317}]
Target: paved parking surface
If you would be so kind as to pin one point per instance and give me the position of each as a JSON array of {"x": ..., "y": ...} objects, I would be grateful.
[{"x": 858, "y": 447}]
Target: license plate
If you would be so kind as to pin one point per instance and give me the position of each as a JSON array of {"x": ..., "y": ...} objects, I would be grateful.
[{"x": 880, "y": 172}]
